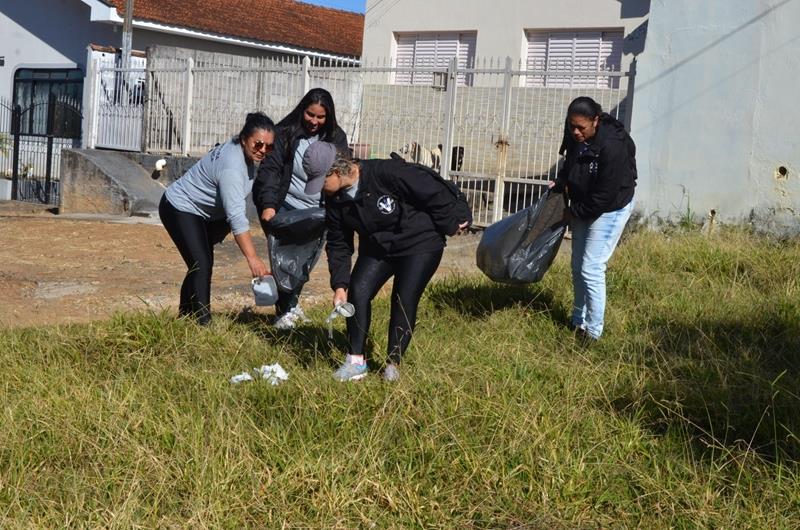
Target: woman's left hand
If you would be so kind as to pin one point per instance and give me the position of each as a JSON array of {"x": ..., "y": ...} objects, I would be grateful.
[
  {"x": 462, "y": 227},
  {"x": 268, "y": 214},
  {"x": 257, "y": 266},
  {"x": 339, "y": 296}
]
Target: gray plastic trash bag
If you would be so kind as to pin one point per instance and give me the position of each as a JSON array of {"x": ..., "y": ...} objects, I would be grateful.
[
  {"x": 521, "y": 247},
  {"x": 295, "y": 244}
]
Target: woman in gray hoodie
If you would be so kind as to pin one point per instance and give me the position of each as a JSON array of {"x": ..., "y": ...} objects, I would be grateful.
[{"x": 207, "y": 202}]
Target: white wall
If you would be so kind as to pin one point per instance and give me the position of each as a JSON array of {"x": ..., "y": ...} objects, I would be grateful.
[
  {"x": 715, "y": 111},
  {"x": 46, "y": 34},
  {"x": 145, "y": 38},
  {"x": 500, "y": 24}
]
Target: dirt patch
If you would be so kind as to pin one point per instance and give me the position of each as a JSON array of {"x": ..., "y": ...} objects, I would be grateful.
[{"x": 56, "y": 270}]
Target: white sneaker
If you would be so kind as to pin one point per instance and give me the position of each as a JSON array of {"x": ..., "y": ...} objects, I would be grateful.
[
  {"x": 301, "y": 316},
  {"x": 291, "y": 318},
  {"x": 287, "y": 320}
]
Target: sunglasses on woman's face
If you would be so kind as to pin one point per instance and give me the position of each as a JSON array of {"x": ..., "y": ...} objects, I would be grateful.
[{"x": 259, "y": 145}]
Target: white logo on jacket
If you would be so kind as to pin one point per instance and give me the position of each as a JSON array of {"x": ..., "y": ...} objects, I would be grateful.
[{"x": 386, "y": 204}]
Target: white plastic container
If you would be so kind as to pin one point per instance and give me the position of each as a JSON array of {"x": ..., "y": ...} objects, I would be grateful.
[{"x": 265, "y": 290}]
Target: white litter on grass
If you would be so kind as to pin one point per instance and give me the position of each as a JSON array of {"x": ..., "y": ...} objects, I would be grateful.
[
  {"x": 273, "y": 373},
  {"x": 238, "y": 378}
]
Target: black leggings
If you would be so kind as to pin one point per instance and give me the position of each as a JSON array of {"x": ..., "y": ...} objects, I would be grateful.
[
  {"x": 411, "y": 276},
  {"x": 195, "y": 238}
]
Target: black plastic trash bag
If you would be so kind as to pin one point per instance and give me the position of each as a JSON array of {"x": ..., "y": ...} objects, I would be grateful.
[
  {"x": 295, "y": 244},
  {"x": 521, "y": 247}
]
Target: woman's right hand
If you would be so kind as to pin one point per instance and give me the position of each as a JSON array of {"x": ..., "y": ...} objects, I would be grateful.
[
  {"x": 339, "y": 296},
  {"x": 267, "y": 214},
  {"x": 257, "y": 266}
]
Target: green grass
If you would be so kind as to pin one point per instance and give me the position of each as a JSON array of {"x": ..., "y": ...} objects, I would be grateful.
[{"x": 685, "y": 415}]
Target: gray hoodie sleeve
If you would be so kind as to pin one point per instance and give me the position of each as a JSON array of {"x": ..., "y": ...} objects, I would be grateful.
[{"x": 233, "y": 194}]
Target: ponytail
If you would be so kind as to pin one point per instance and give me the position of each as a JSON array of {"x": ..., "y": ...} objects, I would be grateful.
[{"x": 254, "y": 121}]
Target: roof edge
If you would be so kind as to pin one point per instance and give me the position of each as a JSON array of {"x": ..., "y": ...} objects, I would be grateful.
[
  {"x": 112, "y": 49},
  {"x": 102, "y": 12},
  {"x": 215, "y": 37}
]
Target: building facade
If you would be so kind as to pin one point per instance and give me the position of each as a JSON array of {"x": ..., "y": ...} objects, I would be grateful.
[
  {"x": 533, "y": 33},
  {"x": 47, "y": 40},
  {"x": 714, "y": 113}
]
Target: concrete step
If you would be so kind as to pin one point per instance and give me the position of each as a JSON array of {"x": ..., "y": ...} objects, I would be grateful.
[{"x": 106, "y": 182}]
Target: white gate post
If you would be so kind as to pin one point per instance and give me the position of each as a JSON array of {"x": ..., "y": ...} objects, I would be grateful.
[
  {"x": 187, "y": 116},
  {"x": 449, "y": 117},
  {"x": 502, "y": 145},
  {"x": 89, "y": 133},
  {"x": 306, "y": 75}
]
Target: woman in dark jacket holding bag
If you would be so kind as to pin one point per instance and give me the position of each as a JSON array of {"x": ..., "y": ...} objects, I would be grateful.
[
  {"x": 402, "y": 214},
  {"x": 280, "y": 185},
  {"x": 599, "y": 176}
]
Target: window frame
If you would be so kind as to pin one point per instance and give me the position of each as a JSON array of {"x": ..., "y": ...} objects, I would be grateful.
[
  {"x": 465, "y": 45},
  {"x": 607, "y": 56}
]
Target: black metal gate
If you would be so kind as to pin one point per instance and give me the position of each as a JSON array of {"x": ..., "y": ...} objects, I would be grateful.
[{"x": 31, "y": 147}]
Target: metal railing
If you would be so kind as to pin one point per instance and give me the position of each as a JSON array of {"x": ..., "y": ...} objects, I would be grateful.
[
  {"x": 493, "y": 127},
  {"x": 31, "y": 141}
]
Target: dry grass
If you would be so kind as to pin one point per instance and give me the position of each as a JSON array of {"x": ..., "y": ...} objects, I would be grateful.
[{"x": 685, "y": 415}]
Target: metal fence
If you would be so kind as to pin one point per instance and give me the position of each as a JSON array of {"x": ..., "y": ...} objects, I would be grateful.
[
  {"x": 493, "y": 127},
  {"x": 31, "y": 141}
]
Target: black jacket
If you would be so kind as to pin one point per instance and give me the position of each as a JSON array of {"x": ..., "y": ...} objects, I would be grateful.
[
  {"x": 399, "y": 210},
  {"x": 275, "y": 171},
  {"x": 600, "y": 176}
]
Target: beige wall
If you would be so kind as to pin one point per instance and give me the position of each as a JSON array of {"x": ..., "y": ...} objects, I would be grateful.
[
  {"x": 715, "y": 116},
  {"x": 500, "y": 24}
]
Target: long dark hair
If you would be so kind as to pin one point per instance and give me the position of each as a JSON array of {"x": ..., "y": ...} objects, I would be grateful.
[
  {"x": 580, "y": 106},
  {"x": 293, "y": 122},
  {"x": 253, "y": 122}
]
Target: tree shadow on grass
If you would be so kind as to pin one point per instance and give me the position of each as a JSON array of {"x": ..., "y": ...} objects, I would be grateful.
[
  {"x": 731, "y": 383},
  {"x": 482, "y": 299}
]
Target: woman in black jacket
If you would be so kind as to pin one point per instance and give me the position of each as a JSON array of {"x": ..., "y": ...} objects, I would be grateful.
[
  {"x": 280, "y": 185},
  {"x": 402, "y": 213},
  {"x": 599, "y": 176}
]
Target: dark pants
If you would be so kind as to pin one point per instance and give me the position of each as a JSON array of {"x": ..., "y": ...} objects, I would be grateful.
[
  {"x": 195, "y": 238},
  {"x": 411, "y": 276}
]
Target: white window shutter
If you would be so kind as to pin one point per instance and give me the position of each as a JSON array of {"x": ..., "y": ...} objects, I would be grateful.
[
  {"x": 584, "y": 51},
  {"x": 611, "y": 52},
  {"x": 466, "y": 57},
  {"x": 433, "y": 50},
  {"x": 466, "y": 50},
  {"x": 446, "y": 49},
  {"x": 611, "y": 57},
  {"x": 560, "y": 56},
  {"x": 404, "y": 58},
  {"x": 587, "y": 59},
  {"x": 537, "y": 58}
]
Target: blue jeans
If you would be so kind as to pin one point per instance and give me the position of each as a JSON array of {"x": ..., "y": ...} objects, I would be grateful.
[{"x": 593, "y": 243}]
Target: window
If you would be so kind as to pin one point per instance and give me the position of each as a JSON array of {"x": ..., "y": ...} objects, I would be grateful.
[
  {"x": 574, "y": 51},
  {"x": 433, "y": 50},
  {"x": 50, "y": 101}
]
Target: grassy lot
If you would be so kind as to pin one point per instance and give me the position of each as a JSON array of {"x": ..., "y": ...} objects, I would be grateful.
[{"x": 686, "y": 415}]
